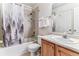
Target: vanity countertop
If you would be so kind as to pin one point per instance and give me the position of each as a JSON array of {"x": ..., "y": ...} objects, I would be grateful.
[{"x": 72, "y": 46}]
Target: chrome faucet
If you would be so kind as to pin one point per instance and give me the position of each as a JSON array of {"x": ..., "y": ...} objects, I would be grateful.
[{"x": 65, "y": 35}]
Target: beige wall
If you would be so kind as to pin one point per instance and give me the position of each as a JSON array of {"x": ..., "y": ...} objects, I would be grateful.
[
  {"x": 35, "y": 20},
  {"x": 28, "y": 23},
  {"x": 1, "y": 34},
  {"x": 44, "y": 10}
]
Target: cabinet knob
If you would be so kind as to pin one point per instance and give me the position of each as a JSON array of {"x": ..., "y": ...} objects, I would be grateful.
[
  {"x": 69, "y": 29},
  {"x": 59, "y": 51}
]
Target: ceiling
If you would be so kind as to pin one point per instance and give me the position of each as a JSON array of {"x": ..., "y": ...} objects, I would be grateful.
[
  {"x": 54, "y": 5},
  {"x": 30, "y": 4}
]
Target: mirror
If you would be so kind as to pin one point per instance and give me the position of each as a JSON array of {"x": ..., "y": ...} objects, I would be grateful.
[
  {"x": 66, "y": 18},
  {"x": 63, "y": 21}
]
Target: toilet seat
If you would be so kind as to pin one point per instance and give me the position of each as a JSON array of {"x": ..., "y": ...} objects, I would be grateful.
[{"x": 33, "y": 47}]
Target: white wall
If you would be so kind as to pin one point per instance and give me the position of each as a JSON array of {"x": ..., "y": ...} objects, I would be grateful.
[{"x": 45, "y": 10}]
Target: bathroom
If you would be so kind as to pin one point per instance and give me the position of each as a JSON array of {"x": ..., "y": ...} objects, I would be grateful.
[{"x": 27, "y": 29}]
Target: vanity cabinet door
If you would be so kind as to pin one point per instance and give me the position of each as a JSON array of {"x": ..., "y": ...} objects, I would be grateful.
[
  {"x": 60, "y": 51},
  {"x": 47, "y": 49}
]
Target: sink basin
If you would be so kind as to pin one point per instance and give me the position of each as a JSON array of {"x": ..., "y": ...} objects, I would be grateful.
[
  {"x": 67, "y": 40},
  {"x": 54, "y": 36}
]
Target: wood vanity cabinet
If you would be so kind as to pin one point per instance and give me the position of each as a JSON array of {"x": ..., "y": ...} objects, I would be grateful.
[
  {"x": 61, "y": 51},
  {"x": 51, "y": 49},
  {"x": 47, "y": 48}
]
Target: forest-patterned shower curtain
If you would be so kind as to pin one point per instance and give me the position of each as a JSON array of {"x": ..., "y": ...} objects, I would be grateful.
[{"x": 13, "y": 27}]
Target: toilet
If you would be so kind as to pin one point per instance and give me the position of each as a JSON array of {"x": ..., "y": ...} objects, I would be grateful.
[{"x": 32, "y": 48}]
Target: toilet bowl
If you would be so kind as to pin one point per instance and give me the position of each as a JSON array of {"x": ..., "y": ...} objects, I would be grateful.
[{"x": 32, "y": 48}]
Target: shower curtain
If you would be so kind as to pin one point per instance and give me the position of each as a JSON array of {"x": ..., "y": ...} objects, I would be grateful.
[{"x": 13, "y": 27}]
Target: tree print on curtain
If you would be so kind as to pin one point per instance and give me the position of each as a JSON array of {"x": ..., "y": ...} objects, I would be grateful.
[{"x": 12, "y": 24}]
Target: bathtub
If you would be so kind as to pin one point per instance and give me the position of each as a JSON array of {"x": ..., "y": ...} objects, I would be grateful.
[{"x": 16, "y": 50}]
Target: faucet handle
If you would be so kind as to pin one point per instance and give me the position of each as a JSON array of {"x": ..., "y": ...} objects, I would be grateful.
[
  {"x": 65, "y": 35},
  {"x": 74, "y": 30},
  {"x": 69, "y": 29}
]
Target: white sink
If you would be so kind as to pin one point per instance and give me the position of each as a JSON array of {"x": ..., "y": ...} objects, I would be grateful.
[
  {"x": 64, "y": 40},
  {"x": 53, "y": 36},
  {"x": 67, "y": 40}
]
